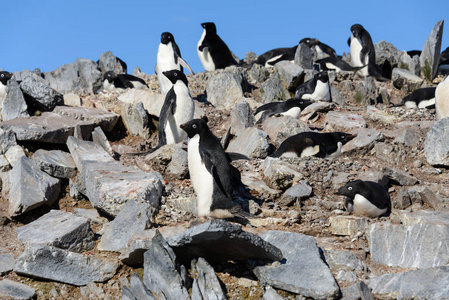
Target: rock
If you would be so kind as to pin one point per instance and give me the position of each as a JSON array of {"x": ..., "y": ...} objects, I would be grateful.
[
  {"x": 347, "y": 225},
  {"x": 179, "y": 165},
  {"x": 337, "y": 97},
  {"x": 406, "y": 80},
  {"x": 224, "y": 90},
  {"x": 51, "y": 263},
  {"x": 13, "y": 290},
  {"x": 386, "y": 52},
  {"x": 135, "y": 118},
  {"x": 409, "y": 137},
  {"x": 280, "y": 128},
  {"x": 380, "y": 116},
  {"x": 273, "y": 89},
  {"x": 30, "y": 187},
  {"x": 302, "y": 271},
  {"x": 241, "y": 117},
  {"x": 311, "y": 111},
  {"x": 257, "y": 74},
  {"x": 99, "y": 138},
  {"x": 390, "y": 153},
  {"x": 87, "y": 151},
  {"x": 95, "y": 116},
  {"x": 342, "y": 121},
  {"x": 271, "y": 294},
  {"x": 72, "y": 99},
  {"x": 297, "y": 192},
  {"x": 91, "y": 214},
  {"x": 56, "y": 163},
  {"x": 81, "y": 76},
  {"x": 251, "y": 142},
  {"x": 399, "y": 177},
  {"x": 14, "y": 154},
  {"x": 290, "y": 73},
  {"x": 7, "y": 139},
  {"x": 250, "y": 57},
  {"x": 19, "y": 76},
  {"x": 304, "y": 56},
  {"x": 151, "y": 100},
  {"x": 206, "y": 284},
  {"x": 253, "y": 182},
  {"x": 279, "y": 174},
  {"x": 357, "y": 291},
  {"x": 68, "y": 231},
  {"x": 169, "y": 159},
  {"x": 219, "y": 240},
  {"x": 6, "y": 263},
  {"x": 402, "y": 199},
  {"x": 430, "y": 54},
  {"x": 4, "y": 164},
  {"x": 431, "y": 283},
  {"x": 136, "y": 290},
  {"x": 43, "y": 97},
  {"x": 436, "y": 144},
  {"x": 424, "y": 194},
  {"x": 47, "y": 128},
  {"x": 109, "y": 62},
  {"x": 163, "y": 275},
  {"x": 409, "y": 63},
  {"x": 344, "y": 262},
  {"x": 14, "y": 105},
  {"x": 134, "y": 217}
]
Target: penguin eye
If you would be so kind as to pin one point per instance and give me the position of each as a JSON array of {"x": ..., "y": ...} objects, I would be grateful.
[
  {"x": 342, "y": 137},
  {"x": 3, "y": 75},
  {"x": 350, "y": 188},
  {"x": 194, "y": 126}
]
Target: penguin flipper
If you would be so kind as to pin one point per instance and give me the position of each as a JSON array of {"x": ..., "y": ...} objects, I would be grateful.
[
  {"x": 207, "y": 161},
  {"x": 169, "y": 107},
  {"x": 185, "y": 65}
]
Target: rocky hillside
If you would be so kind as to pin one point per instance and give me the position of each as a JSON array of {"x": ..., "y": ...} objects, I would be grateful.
[{"x": 81, "y": 218}]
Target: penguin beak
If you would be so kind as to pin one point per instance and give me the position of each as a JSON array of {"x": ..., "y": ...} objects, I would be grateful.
[{"x": 182, "y": 126}]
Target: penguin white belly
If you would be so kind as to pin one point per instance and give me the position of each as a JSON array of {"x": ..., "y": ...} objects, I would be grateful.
[
  {"x": 202, "y": 180},
  {"x": 185, "y": 109},
  {"x": 137, "y": 84},
  {"x": 267, "y": 63},
  {"x": 204, "y": 55},
  {"x": 108, "y": 86},
  {"x": 258, "y": 115},
  {"x": 410, "y": 104},
  {"x": 310, "y": 151},
  {"x": 165, "y": 62},
  {"x": 363, "y": 206},
  {"x": 292, "y": 112},
  {"x": 356, "y": 48},
  {"x": 320, "y": 53},
  {"x": 442, "y": 99},
  {"x": 333, "y": 67},
  {"x": 3, "y": 91},
  {"x": 321, "y": 92},
  {"x": 336, "y": 153},
  {"x": 426, "y": 103}
]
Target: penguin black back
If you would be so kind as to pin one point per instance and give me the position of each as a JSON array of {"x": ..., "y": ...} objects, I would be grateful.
[
  {"x": 271, "y": 57},
  {"x": 315, "y": 43},
  {"x": 123, "y": 81}
]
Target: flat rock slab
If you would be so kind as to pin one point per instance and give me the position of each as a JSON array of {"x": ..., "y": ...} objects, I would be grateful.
[
  {"x": 6, "y": 263},
  {"x": 47, "y": 128},
  {"x": 51, "y": 263},
  {"x": 364, "y": 141},
  {"x": 13, "y": 290},
  {"x": 56, "y": 163},
  {"x": 206, "y": 284},
  {"x": 347, "y": 225},
  {"x": 68, "y": 231},
  {"x": 343, "y": 121},
  {"x": 95, "y": 116},
  {"x": 219, "y": 240},
  {"x": 302, "y": 271}
]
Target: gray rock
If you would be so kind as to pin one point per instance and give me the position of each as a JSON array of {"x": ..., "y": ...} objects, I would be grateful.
[
  {"x": 345, "y": 264},
  {"x": 252, "y": 180},
  {"x": 219, "y": 240},
  {"x": 343, "y": 121},
  {"x": 14, "y": 105},
  {"x": 251, "y": 142},
  {"x": 390, "y": 153},
  {"x": 163, "y": 276},
  {"x": 399, "y": 177},
  {"x": 136, "y": 290},
  {"x": 14, "y": 154},
  {"x": 51, "y": 263},
  {"x": 271, "y": 294},
  {"x": 7, "y": 139},
  {"x": 291, "y": 73},
  {"x": 136, "y": 119},
  {"x": 279, "y": 174},
  {"x": 273, "y": 89},
  {"x": 297, "y": 192},
  {"x": 304, "y": 57},
  {"x": 378, "y": 115},
  {"x": 430, "y": 55},
  {"x": 224, "y": 90},
  {"x": 338, "y": 97},
  {"x": 432, "y": 283},
  {"x": 409, "y": 63},
  {"x": 95, "y": 116},
  {"x": 357, "y": 291},
  {"x": 91, "y": 214},
  {"x": 68, "y": 231},
  {"x": 409, "y": 136},
  {"x": 19, "y": 76},
  {"x": 30, "y": 187},
  {"x": 72, "y": 99},
  {"x": 13, "y": 290},
  {"x": 99, "y": 138},
  {"x": 386, "y": 52},
  {"x": 109, "y": 62},
  {"x": 42, "y": 96},
  {"x": 347, "y": 225},
  {"x": 81, "y": 76},
  {"x": 151, "y": 100},
  {"x": 302, "y": 271},
  {"x": 134, "y": 217},
  {"x": 436, "y": 144},
  {"x": 47, "y": 128},
  {"x": 313, "y": 109},
  {"x": 241, "y": 117},
  {"x": 425, "y": 195},
  {"x": 206, "y": 284},
  {"x": 250, "y": 57},
  {"x": 405, "y": 80},
  {"x": 169, "y": 159},
  {"x": 402, "y": 200},
  {"x": 56, "y": 163},
  {"x": 179, "y": 165},
  {"x": 257, "y": 74},
  {"x": 83, "y": 151},
  {"x": 6, "y": 263},
  {"x": 280, "y": 128}
]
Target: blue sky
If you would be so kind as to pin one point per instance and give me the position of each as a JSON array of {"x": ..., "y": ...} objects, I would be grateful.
[{"x": 47, "y": 34}]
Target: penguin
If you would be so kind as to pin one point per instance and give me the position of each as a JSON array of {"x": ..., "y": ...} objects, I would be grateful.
[
  {"x": 316, "y": 89},
  {"x": 271, "y": 57},
  {"x": 324, "y": 145},
  {"x": 4, "y": 77},
  {"x": 335, "y": 63},
  {"x": 321, "y": 50},
  {"x": 168, "y": 58},
  {"x": 212, "y": 51},
  {"x": 210, "y": 173},
  {"x": 366, "y": 198},
  {"x": 114, "y": 82},
  {"x": 443, "y": 64},
  {"x": 291, "y": 107},
  {"x": 420, "y": 98},
  {"x": 442, "y": 99}
]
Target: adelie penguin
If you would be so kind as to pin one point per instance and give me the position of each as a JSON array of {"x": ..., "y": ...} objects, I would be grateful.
[
  {"x": 442, "y": 99},
  {"x": 420, "y": 98},
  {"x": 322, "y": 50},
  {"x": 212, "y": 51},
  {"x": 316, "y": 89},
  {"x": 4, "y": 77},
  {"x": 324, "y": 145},
  {"x": 114, "y": 82},
  {"x": 168, "y": 58},
  {"x": 291, "y": 107},
  {"x": 366, "y": 198},
  {"x": 272, "y": 57},
  {"x": 210, "y": 173},
  {"x": 337, "y": 64}
]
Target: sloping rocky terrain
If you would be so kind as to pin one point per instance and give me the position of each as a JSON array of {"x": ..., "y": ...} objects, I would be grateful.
[{"x": 83, "y": 219}]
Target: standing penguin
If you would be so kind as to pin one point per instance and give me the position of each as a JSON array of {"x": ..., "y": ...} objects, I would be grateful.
[
  {"x": 442, "y": 99},
  {"x": 114, "y": 82},
  {"x": 168, "y": 58},
  {"x": 212, "y": 51},
  {"x": 316, "y": 89},
  {"x": 4, "y": 77},
  {"x": 366, "y": 198},
  {"x": 210, "y": 173},
  {"x": 362, "y": 50}
]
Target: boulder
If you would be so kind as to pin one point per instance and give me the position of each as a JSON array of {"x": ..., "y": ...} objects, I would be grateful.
[
  {"x": 436, "y": 144},
  {"x": 136, "y": 119},
  {"x": 206, "y": 284},
  {"x": 343, "y": 121},
  {"x": 251, "y": 142},
  {"x": 55, "y": 163},
  {"x": 14, "y": 105},
  {"x": 430, "y": 55},
  {"x": 224, "y": 90},
  {"x": 95, "y": 116},
  {"x": 13, "y": 290},
  {"x": 406, "y": 80},
  {"x": 41, "y": 96},
  {"x": 273, "y": 89},
  {"x": 109, "y": 62},
  {"x": 241, "y": 117}
]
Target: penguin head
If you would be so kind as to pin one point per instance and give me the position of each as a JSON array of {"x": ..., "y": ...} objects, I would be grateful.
[
  {"x": 175, "y": 75},
  {"x": 304, "y": 103},
  {"x": 322, "y": 76},
  {"x": 209, "y": 27},
  {"x": 110, "y": 76},
  {"x": 309, "y": 41},
  {"x": 351, "y": 189},
  {"x": 5, "y": 76},
  {"x": 357, "y": 30},
  {"x": 167, "y": 37},
  {"x": 342, "y": 137},
  {"x": 194, "y": 127}
]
